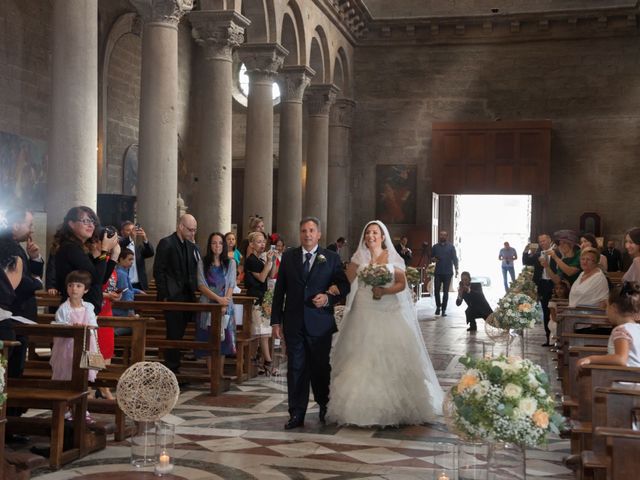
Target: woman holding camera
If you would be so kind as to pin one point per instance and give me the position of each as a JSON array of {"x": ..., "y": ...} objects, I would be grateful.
[{"x": 83, "y": 246}]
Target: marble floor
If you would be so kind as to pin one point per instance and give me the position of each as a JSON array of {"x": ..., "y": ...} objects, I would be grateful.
[{"x": 239, "y": 435}]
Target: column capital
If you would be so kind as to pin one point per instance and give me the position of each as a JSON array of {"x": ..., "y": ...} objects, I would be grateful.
[
  {"x": 293, "y": 80},
  {"x": 218, "y": 32},
  {"x": 319, "y": 98},
  {"x": 262, "y": 59},
  {"x": 341, "y": 114},
  {"x": 166, "y": 12}
]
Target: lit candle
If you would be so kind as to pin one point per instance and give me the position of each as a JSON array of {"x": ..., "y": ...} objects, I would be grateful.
[{"x": 164, "y": 464}]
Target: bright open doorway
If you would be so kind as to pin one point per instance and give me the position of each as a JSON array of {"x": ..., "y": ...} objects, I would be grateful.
[{"x": 482, "y": 223}]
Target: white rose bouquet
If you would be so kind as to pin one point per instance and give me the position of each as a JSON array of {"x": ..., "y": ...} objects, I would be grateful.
[
  {"x": 413, "y": 276},
  {"x": 524, "y": 284},
  {"x": 375, "y": 276},
  {"x": 516, "y": 311},
  {"x": 503, "y": 399}
]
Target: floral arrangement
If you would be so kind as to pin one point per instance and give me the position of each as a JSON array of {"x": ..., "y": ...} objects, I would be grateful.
[
  {"x": 524, "y": 284},
  {"x": 516, "y": 311},
  {"x": 431, "y": 269},
  {"x": 413, "y": 276},
  {"x": 3, "y": 366},
  {"x": 375, "y": 276},
  {"x": 267, "y": 301},
  {"x": 503, "y": 399}
]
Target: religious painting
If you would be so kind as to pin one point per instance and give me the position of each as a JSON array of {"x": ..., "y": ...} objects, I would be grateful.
[
  {"x": 590, "y": 223},
  {"x": 396, "y": 193},
  {"x": 130, "y": 176},
  {"x": 23, "y": 171}
]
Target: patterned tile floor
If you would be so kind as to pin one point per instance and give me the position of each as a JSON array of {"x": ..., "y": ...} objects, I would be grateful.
[{"x": 239, "y": 435}]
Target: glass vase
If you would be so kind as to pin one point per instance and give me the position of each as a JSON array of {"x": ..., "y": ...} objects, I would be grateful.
[
  {"x": 517, "y": 343},
  {"x": 445, "y": 461},
  {"x": 506, "y": 461},
  {"x": 142, "y": 445},
  {"x": 164, "y": 452},
  {"x": 472, "y": 460}
]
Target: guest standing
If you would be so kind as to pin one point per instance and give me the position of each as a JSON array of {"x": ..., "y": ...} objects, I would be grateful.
[
  {"x": 444, "y": 254},
  {"x": 508, "y": 255}
]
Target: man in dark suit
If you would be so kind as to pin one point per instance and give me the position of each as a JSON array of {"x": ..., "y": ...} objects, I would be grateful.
[
  {"x": 614, "y": 257},
  {"x": 141, "y": 251},
  {"x": 335, "y": 247},
  {"x": 306, "y": 316},
  {"x": 537, "y": 256},
  {"x": 18, "y": 229},
  {"x": 175, "y": 270}
]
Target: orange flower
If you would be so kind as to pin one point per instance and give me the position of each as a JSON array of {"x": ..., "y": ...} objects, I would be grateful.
[
  {"x": 467, "y": 381},
  {"x": 525, "y": 307},
  {"x": 540, "y": 418}
]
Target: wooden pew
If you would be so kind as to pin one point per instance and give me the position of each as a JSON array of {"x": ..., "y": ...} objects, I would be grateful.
[
  {"x": 623, "y": 445},
  {"x": 54, "y": 395}
]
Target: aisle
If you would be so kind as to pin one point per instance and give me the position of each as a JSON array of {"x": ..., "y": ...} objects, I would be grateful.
[{"x": 239, "y": 435}]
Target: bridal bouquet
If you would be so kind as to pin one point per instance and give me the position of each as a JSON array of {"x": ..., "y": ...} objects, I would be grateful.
[
  {"x": 375, "y": 276},
  {"x": 503, "y": 399},
  {"x": 516, "y": 311},
  {"x": 431, "y": 269}
]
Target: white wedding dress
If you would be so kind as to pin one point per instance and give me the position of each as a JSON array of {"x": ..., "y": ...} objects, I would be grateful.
[{"x": 381, "y": 373}]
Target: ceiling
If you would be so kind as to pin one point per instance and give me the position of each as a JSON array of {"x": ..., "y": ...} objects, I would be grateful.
[{"x": 380, "y": 9}]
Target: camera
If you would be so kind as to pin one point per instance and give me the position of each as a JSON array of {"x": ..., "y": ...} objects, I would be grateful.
[{"x": 108, "y": 232}]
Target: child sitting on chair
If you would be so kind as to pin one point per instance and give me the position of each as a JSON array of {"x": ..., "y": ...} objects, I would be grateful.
[{"x": 623, "y": 312}]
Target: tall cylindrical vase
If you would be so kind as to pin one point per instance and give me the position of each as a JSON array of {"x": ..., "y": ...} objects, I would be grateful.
[
  {"x": 506, "y": 461},
  {"x": 164, "y": 454},
  {"x": 143, "y": 445}
]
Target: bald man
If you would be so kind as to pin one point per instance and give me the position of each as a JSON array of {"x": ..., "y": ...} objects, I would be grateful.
[{"x": 175, "y": 270}]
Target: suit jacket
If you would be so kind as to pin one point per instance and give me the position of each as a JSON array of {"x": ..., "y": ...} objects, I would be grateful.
[
  {"x": 614, "y": 260},
  {"x": 532, "y": 261},
  {"x": 24, "y": 304},
  {"x": 143, "y": 251},
  {"x": 476, "y": 301},
  {"x": 176, "y": 277},
  {"x": 296, "y": 312}
]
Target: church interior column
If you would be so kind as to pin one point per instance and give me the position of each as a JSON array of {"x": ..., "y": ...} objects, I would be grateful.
[
  {"x": 158, "y": 138},
  {"x": 73, "y": 169},
  {"x": 319, "y": 99},
  {"x": 218, "y": 32},
  {"x": 293, "y": 82},
  {"x": 340, "y": 121}
]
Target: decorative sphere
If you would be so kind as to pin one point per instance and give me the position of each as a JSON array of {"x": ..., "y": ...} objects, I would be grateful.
[
  {"x": 147, "y": 391},
  {"x": 494, "y": 332}
]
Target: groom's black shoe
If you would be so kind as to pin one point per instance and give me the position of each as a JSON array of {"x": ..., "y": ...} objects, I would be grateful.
[
  {"x": 322, "y": 413},
  {"x": 294, "y": 422}
]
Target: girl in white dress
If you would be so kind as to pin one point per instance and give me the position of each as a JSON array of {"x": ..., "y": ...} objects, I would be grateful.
[
  {"x": 381, "y": 373},
  {"x": 623, "y": 312}
]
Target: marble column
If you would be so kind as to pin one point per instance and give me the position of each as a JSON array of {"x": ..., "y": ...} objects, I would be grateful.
[
  {"x": 263, "y": 62},
  {"x": 158, "y": 138},
  {"x": 293, "y": 82},
  {"x": 340, "y": 121},
  {"x": 218, "y": 32},
  {"x": 73, "y": 166},
  {"x": 318, "y": 99}
]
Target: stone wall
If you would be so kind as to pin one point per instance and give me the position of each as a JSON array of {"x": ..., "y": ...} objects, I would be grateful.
[
  {"x": 588, "y": 88},
  {"x": 25, "y": 67}
]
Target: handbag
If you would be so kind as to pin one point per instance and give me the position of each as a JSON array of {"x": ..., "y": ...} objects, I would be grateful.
[{"x": 91, "y": 360}]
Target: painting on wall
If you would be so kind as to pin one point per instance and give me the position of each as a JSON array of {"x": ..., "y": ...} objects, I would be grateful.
[
  {"x": 23, "y": 171},
  {"x": 396, "y": 193},
  {"x": 130, "y": 176}
]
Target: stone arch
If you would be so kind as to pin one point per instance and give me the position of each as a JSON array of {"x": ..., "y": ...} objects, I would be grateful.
[
  {"x": 341, "y": 73},
  {"x": 292, "y": 36},
  {"x": 124, "y": 34},
  {"x": 319, "y": 57},
  {"x": 263, "y": 23}
]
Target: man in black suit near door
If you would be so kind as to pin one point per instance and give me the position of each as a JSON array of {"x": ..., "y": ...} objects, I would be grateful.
[
  {"x": 175, "y": 270},
  {"x": 303, "y": 309}
]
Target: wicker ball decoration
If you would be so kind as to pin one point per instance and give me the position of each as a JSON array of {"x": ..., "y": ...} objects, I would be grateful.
[
  {"x": 494, "y": 332},
  {"x": 147, "y": 391}
]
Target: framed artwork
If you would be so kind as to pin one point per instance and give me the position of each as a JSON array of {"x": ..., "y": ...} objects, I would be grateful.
[
  {"x": 396, "y": 193},
  {"x": 130, "y": 177},
  {"x": 23, "y": 171},
  {"x": 590, "y": 223}
]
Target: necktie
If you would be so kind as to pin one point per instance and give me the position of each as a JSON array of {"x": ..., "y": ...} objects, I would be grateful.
[{"x": 307, "y": 264}]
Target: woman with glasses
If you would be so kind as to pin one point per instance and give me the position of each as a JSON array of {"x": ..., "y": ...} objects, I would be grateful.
[
  {"x": 81, "y": 247},
  {"x": 590, "y": 288}
]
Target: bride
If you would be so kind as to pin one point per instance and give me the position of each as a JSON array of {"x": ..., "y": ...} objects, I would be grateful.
[{"x": 381, "y": 373}]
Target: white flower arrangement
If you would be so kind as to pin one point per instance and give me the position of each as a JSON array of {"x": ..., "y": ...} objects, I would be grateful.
[
  {"x": 3, "y": 365},
  {"x": 491, "y": 402},
  {"x": 524, "y": 284},
  {"x": 516, "y": 311},
  {"x": 321, "y": 259}
]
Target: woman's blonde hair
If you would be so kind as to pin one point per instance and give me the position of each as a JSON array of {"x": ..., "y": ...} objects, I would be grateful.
[
  {"x": 592, "y": 251},
  {"x": 254, "y": 235},
  {"x": 254, "y": 222}
]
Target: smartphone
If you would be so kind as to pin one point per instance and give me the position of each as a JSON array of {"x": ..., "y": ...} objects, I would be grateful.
[
  {"x": 121, "y": 291},
  {"x": 272, "y": 248},
  {"x": 533, "y": 246}
]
